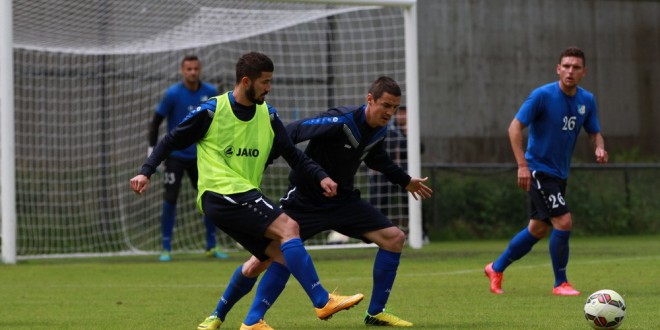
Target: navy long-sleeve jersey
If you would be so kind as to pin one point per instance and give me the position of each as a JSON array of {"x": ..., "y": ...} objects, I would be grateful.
[
  {"x": 194, "y": 127},
  {"x": 340, "y": 140}
]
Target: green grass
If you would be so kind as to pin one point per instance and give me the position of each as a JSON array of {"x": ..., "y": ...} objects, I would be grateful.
[{"x": 438, "y": 287}]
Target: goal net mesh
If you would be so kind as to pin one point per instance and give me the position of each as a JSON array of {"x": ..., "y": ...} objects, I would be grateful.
[{"x": 89, "y": 74}]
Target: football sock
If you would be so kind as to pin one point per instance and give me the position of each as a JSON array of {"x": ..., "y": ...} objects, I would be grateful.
[
  {"x": 210, "y": 234},
  {"x": 559, "y": 254},
  {"x": 519, "y": 246},
  {"x": 384, "y": 272},
  {"x": 238, "y": 286},
  {"x": 301, "y": 266},
  {"x": 167, "y": 224},
  {"x": 270, "y": 287}
]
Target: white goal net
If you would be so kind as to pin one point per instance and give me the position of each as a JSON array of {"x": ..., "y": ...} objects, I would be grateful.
[{"x": 89, "y": 74}]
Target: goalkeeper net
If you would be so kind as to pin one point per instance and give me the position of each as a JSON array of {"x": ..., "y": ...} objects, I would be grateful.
[{"x": 89, "y": 74}]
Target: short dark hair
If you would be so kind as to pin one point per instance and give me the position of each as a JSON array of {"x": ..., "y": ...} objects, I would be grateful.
[
  {"x": 573, "y": 52},
  {"x": 189, "y": 58},
  {"x": 252, "y": 64},
  {"x": 384, "y": 85}
]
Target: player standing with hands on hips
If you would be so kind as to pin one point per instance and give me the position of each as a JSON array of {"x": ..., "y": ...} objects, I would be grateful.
[
  {"x": 554, "y": 113},
  {"x": 235, "y": 134},
  {"x": 179, "y": 100}
]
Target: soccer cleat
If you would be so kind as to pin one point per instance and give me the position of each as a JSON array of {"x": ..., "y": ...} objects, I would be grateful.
[
  {"x": 216, "y": 253},
  {"x": 565, "y": 289},
  {"x": 261, "y": 325},
  {"x": 165, "y": 256},
  {"x": 211, "y": 323},
  {"x": 337, "y": 303},
  {"x": 495, "y": 279},
  {"x": 385, "y": 319}
]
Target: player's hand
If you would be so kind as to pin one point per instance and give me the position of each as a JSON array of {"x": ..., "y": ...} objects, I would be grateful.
[
  {"x": 524, "y": 178},
  {"x": 418, "y": 189},
  {"x": 139, "y": 183},
  {"x": 329, "y": 187},
  {"x": 601, "y": 156}
]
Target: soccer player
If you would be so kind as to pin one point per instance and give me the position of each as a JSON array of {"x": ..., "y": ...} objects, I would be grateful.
[
  {"x": 554, "y": 113},
  {"x": 179, "y": 100},
  {"x": 235, "y": 133},
  {"x": 339, "y": 140}
]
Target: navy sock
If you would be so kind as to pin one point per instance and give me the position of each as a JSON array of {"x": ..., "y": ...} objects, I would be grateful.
[
  {"x": 210, "y": 234},
  {"x": 384, "y": 273},
  {"x": 270, "y": 287},
  {"x": 519, "y": 246},
  {"x": 238, "y": 286},
  {"x": 167, "y": 224},
  {"x": 559, "y": 254},
  {"x": 300, "y": 264}
]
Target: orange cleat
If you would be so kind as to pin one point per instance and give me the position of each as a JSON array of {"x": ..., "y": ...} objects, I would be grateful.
[
  {"x": 565, "y": 289},
  {"x": 495, "y": 279}
]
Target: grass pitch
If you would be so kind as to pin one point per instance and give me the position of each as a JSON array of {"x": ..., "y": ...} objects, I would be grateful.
[{"x": 441, "y": 286}]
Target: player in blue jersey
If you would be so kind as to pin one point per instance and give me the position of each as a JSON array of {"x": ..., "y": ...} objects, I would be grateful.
[
  {"x": 179, "y": 100},
  {"x": 554, "y": 113},
  {"x": 235, "y": 133},
  {"x": 340, "y": 139}
]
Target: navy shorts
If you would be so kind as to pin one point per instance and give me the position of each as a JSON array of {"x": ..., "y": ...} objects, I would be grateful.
[
  {"x": 547, "y": 197},
  {"x": 352, "y": 217},
  {"x": 173, "y": 174},
  {"x": 244, "y": 217}
]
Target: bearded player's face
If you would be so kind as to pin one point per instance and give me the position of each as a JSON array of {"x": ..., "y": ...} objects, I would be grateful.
[{"x": 259, "y": 88}]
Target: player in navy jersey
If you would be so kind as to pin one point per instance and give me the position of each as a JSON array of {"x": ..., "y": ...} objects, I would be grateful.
[
  {"x": 235, "y": 133},
  {"x": 179, "y": 100},
  {"x": 340, "y": 139},
  {"x": 554, "y": 113}
]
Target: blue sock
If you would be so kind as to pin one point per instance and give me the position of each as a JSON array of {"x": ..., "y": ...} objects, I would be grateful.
[
  {"x": 519, "y": 246},
  {"x": 301, "y": 266},
  {"x": 210, "y": 234},
  {"x": 270, "y": 287},
  {"x": 167, "y": 224},
  {"x": 559, "y": 254},
  {"x": 385, "y": 267},
  {"x": 238, "y": 286}
]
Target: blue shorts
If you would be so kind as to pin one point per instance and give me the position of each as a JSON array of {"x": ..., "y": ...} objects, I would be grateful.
[
  {"x": 351, "y": 217},
  {"x": 547, "y": 197},
  {"x": 244, "y": 217}
]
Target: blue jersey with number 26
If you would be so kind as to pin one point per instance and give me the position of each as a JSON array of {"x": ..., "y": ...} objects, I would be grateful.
[{"x": 554, "y": 120}]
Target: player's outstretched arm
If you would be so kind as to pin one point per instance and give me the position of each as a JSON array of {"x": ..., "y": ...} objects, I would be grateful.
[{"x": 418, "y": 189}]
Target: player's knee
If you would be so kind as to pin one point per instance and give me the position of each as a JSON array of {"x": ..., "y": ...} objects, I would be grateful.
[{"x": 391, "y": 239}]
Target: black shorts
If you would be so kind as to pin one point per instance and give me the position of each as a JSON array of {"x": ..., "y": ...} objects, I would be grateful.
[
  {"x": 173, "y": 174},
  {"x": 547, "y": 197},
  {"x": 353, "y": 217},
  {"x": 244, "y": 217}
]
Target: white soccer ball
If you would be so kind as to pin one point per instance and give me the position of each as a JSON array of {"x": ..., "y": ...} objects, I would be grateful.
[
  {"x": 605, "y": 309},
  {"x": 337, "y": 238}
]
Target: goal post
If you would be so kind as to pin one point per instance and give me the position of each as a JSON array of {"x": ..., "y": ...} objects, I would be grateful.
[
  {"x": 7, "y": 156},
  {"x": 88, "y": 76}
]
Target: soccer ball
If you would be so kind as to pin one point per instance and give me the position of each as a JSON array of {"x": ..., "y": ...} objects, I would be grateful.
[{"x": 604, "y": 309}]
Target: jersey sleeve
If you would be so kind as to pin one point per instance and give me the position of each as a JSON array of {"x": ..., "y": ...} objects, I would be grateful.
[
  {"x": 166, "y": 105},
  {"x": 295, "y": 157},
  {"x": 531, "y": 107},
  {"x": 324, "y": 125},
  {"x": 189, "y": 131},
  {"x": 591, "y": 123}
]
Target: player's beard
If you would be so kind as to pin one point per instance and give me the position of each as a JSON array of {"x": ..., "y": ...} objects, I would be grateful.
[{"x": 251, "y": 95}]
